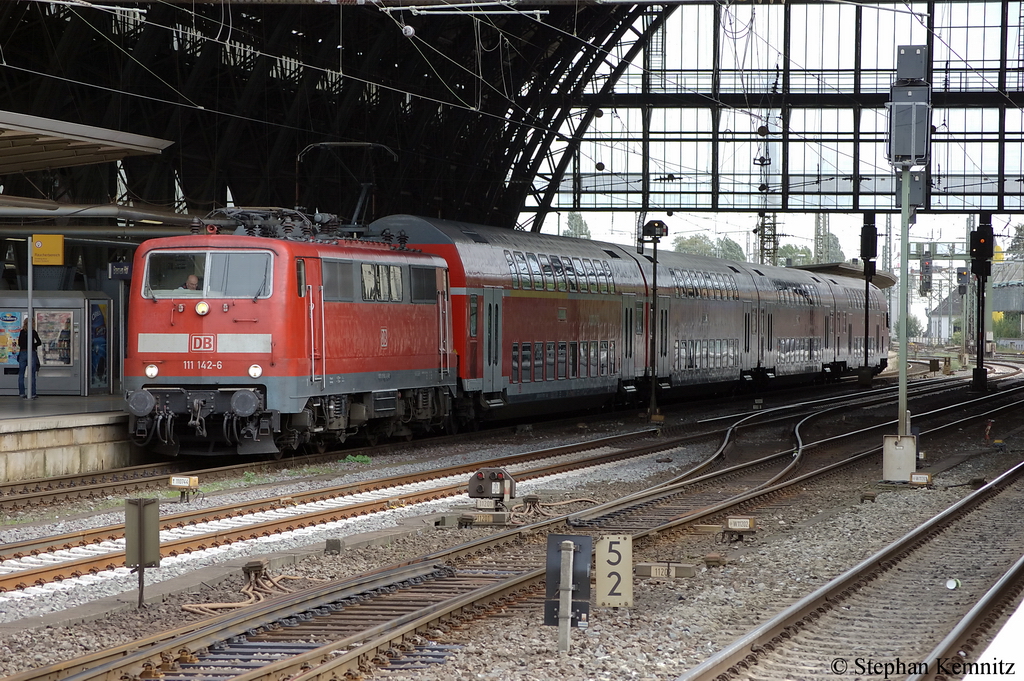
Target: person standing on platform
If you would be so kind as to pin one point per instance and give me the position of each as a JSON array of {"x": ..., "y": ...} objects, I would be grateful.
[{"x": 23, "y": 359}]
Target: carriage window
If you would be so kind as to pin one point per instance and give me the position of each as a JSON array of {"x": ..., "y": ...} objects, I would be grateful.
[
  {"x": 515, "y": 363},
  {"x": 549, "y": 277},
  {"x": 337, "y": 280},
  {"x": 573, "y": 360},
  {"x": 608, "y": 274},
  {"x": 551, "y": 361},
  {"x": 538, "y": 362},
  {"x": 570, "y": 274},
  {"x": 602, "y": 276},
  {"x": 556, "y": 266},
  {"x": 527, "y": 362},
  {"x": 473, "y": 315},
  {"x": 524, "y": 270},
  {"x": 512, "y": 269},
  {"x": 604, "y": 358},
  {"x": 612, "y": 357},
  {"x": 593, "y": 358},
  {"x": 538, "y": 281},
  {"x": 591, "y": 275},
  {"x": 561, "y": 359},
  {"x": 581, "y": 274},
  {"x": 584, "y": 357}
]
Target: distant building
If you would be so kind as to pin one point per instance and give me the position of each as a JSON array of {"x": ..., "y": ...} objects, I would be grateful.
[
  {"x": 946, "y": 317},
  {"x": 1008, "y": 286}
]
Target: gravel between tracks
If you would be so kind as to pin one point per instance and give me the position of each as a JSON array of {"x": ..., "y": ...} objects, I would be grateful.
[{"x": 673, "y": 625}]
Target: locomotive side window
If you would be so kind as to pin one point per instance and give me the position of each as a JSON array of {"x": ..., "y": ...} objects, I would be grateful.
[
  {"x": 337, "y": 279},
  {"x": 538, "y": 280},
  {"x": 383, "y": 283},
  {"x": 300, "y": 276},
  {"x": 369, "y": 281},
  {"x": 423, "y": 284},
  {"x": 513, "y": 272},
  {"x": 396, "y": 283}
]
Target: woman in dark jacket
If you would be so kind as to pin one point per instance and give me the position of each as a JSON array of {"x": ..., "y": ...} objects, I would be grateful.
[{"x": 23, "y": 359}]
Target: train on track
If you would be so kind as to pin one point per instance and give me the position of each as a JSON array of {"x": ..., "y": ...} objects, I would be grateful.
[{"x": 266, "y": 330}]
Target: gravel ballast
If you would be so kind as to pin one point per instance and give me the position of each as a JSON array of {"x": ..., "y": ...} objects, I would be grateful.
[{"x": 673, "y": 625}]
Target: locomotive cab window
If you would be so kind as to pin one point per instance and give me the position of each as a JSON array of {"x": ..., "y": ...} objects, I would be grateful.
[{"x": 218, "y": 274}]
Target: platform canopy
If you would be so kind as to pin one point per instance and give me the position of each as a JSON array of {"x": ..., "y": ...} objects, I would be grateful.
[{"x": 31, "y": 143}]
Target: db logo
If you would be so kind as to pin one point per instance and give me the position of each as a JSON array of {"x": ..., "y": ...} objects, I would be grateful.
[
  {"x": 199, "y": 343},
  {"x": 384, "y": 337}
]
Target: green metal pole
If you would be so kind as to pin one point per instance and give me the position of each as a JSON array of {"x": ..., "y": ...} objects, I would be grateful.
[{"x": 902, "y": 418}]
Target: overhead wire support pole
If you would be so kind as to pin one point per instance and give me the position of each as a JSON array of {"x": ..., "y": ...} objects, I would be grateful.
[{"x": 904, "y": 426}]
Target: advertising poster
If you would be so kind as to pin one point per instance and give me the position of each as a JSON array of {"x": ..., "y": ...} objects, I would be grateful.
[
  {"x": 10, "y": 327},
  {"x": 54, "y": 328}
]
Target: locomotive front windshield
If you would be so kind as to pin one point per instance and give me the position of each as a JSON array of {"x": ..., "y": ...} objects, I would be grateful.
[{"x": 208, "y": 274}]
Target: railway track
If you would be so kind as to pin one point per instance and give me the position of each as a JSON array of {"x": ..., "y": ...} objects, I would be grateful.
[
  {"x": 39, "y": 492},
  {"x": 448, "y": 588},
  {"x": 75, "y": 555},
  {"x": 896, "y": 604}
]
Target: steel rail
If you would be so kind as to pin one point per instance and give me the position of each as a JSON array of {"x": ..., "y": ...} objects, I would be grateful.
[
  {"x": 745, "y": 650},
  {"x": 354, "y": 661}
]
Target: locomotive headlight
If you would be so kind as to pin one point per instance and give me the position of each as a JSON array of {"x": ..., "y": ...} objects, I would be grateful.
[
  {"x": 255, "y": 371},
  {"x": 152, "y": 370},
  {"x": 202, "y": 308}
]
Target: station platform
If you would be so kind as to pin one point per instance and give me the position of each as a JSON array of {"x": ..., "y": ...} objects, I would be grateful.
[{"x": 62, "y": 435}]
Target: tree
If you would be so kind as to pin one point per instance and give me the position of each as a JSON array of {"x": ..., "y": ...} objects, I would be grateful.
[
  {"x": 1016, "y": 246},
  {"x": 1007, "y": 326},
  {"x": 730, "y": 250},
  {"x": 914, "y": 328},
  {"x": 833, "y": 250},
  {"x": 576, "y": 227},
  {"x": 801, "y": 255},
  {"x": 698, "y": 244}
]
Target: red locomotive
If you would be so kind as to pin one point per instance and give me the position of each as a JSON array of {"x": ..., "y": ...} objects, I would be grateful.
[
  {"x": 306, "y": 338},
  {"x": 266, "y": 344}
]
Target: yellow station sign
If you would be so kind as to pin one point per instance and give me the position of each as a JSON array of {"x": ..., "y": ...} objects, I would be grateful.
[{"x": 47, "y": 249}]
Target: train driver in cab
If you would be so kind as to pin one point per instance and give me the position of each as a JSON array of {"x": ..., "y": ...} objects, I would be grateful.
[{"x": 191, "y": 282}]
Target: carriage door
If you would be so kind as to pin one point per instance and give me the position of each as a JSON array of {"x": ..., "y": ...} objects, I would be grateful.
[
  {"x": 310, "y": 283},
  {"x": 492, "y": 340},
  {"x": 664, "y": 360},
  {"x": 628, "y": 336}
]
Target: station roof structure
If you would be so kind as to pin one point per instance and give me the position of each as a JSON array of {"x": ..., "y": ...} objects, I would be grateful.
[
  {"x": 31, "y": 143},
  {"x": 503, "y": 113}
]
